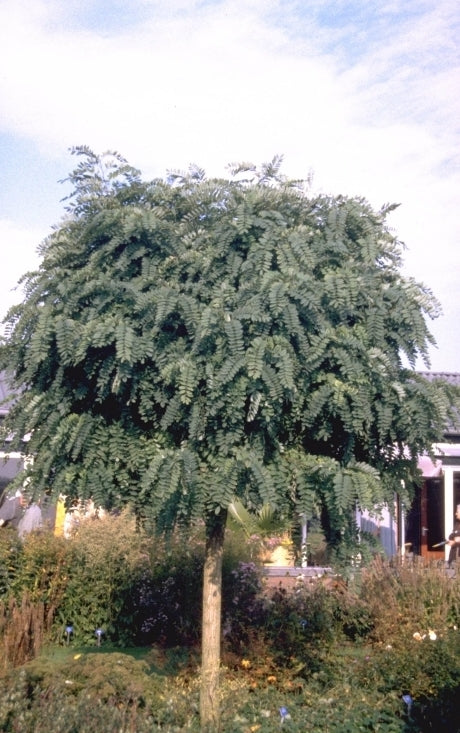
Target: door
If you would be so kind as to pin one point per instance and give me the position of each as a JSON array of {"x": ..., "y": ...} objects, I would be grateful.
[{"x": 432, "y": 519}]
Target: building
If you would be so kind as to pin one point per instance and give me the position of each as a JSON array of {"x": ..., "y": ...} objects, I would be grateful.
[
  {"x": 430, "y": 519},
  {"x": 423, "y": 527}
]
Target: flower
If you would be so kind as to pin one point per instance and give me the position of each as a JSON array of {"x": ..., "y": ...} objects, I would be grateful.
[
  {"x": 271, "y": 678},
  {"x": 245, "y": 663},
  {"x": 408, "y": 700},
  {"x": 271, "y": 543},
  {"x": 76, "y": 656},
  {"x": 432, "y": 635},
  {"x": 284, "y": 714}
]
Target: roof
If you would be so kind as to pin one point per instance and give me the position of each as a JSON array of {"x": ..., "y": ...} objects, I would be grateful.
[{"x": 451, "y": 377}]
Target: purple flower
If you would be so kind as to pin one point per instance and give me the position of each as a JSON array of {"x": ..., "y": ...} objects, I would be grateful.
[{"x": 408, "y": 700}]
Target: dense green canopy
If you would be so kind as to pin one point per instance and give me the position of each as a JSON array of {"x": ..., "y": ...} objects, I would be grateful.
[{"x": 187, "y": 341}]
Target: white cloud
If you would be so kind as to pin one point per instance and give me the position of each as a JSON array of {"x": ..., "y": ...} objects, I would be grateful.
[
  {"x": 170, "y": 92},
  {"x": 19, "y": 254},
  {"x": 363, "y": 95}
]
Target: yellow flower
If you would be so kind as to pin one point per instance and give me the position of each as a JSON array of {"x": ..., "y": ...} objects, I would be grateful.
[
  {"x": 245, "y": 663},
  {"x": 76, "y": 656},
  {"x": 271, "y": 678}
]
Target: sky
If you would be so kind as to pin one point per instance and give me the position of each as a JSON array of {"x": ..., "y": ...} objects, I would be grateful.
[{"x": 361, "y": 95}]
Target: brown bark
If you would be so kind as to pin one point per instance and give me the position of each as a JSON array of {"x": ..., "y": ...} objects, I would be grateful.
[{"x": 211, "y": 629}]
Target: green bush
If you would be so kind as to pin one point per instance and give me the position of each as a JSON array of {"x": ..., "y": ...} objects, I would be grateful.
[
  {"x": 290, "y": 622},
  {"x": 97, "y": 692},
  {"x": 10, "y": 554},
  {"x": 38, "y": 565},
  {"x": 34, "y": 581},
  {"x": 112, "y": 575},
  {"x": 423, "y": 669},
  {"x": 164, "y": 602},
  {"x": 105, "y": 556},
  {"x": 409, "y": 598},
  {"x": 339, "y": 655}
]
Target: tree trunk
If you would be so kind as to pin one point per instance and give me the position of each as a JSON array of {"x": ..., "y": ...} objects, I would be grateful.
[{"x": 211, "y": 629}]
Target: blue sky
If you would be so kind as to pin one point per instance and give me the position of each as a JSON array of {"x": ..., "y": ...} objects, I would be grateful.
[{"x": 365, "y": 95}]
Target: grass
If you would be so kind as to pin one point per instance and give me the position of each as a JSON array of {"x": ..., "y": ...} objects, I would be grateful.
[{"x": 355, "y": 688}]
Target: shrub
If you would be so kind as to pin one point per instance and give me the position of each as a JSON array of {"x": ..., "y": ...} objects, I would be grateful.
[
  {"x": 339, "y": 655},
  {"x": 98, "y": 692},
  {"x": 32, "y": 590},
  {"x": 164, "y": 603},
  {"x": 422, "y": 669},
  {"x": 105, "y": 556},
  {"x": 10, "y": 553},
  {"x": 293, "y": 628},
  {"x": 112, "y": 575},
  {"x": 404, "y": 599},
  {"x": 243, "y": 606},
  {"x": 37, "y": 565}
]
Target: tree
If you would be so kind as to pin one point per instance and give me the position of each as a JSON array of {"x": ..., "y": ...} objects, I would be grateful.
[{"x": 186, "y": 342}]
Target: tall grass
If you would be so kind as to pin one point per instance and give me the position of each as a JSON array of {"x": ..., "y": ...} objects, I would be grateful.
[
  {"x": 22, "y": 630},
  {"x": 406, "y": 598}
]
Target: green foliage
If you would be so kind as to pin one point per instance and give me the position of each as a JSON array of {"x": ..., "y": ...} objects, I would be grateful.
[
  {"x": 264, "y": 522},
  {"x": 424, "y": 669},
  {"x": 187, "y": 341},
  {"x": 163, "y": 604},
  {"x": 139, "y": 588},
  {"x": 104, "y": 558},
  {"x": 299, "y": 624},
  {"x": 410, "y": 598},
  {"x": 42, "y": 565},
  {"x": 10, "y": 551},
  {"x": 96, "y": 692},
  {"x": 339, "y": 655}
]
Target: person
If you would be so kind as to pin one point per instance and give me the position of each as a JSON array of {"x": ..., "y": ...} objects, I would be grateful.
[{"x": 454, "y": 540}]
